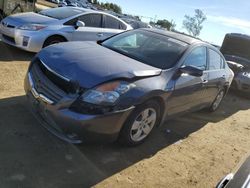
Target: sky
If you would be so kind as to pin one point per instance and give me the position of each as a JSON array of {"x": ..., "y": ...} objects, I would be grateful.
[{"x": 223, "y": 16}]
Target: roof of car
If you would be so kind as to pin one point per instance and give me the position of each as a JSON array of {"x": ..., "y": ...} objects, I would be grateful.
[
  {"x": 86, "y": 10},
  {"x": 81, "y": 9},
  {"x": 182, "y": 37}
]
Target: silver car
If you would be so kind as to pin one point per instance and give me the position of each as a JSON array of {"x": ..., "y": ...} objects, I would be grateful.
[{"x": 33, "y": 31}]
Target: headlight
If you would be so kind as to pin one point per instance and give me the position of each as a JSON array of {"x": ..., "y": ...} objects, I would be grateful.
[
  {"x": 106, "y": 94},
  {"x": 32, "y": 27}
]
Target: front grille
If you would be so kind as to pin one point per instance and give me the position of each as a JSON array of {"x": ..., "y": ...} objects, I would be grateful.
[
  {"x": 8, "y": 38},
  {"x": 44, "y": 86},
  {"x": 11, "y": 26},
  {"x": 65, "y": 85},
  {"x": 49, "y": 83}
]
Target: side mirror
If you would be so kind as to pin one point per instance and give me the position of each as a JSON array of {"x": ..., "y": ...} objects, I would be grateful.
[
  {"x": 193, "y": 71},
  {"x": 99, "y": 41},
  {"x": 79, "y": 24}
]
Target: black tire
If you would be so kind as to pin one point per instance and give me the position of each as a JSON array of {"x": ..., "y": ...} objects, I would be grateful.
[
  {"x": 217, "y": 101},
  {"x": 53, "y": 40},
  {"x": 125, "y": 137}
]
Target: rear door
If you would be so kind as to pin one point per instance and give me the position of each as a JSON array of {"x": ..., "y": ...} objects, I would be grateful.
[
  {"x": 216, "y": 74},
  {"x": 112, "y": 26},
  {"x": 92, "y": 31},
  {"x": 189, "y": 90}
]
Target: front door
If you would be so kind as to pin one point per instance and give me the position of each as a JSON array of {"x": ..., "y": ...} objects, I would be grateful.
[{"x": 188, "y": 91}]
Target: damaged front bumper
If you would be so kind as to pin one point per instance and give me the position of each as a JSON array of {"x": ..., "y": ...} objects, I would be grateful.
[{"x": 75, "y": 127}]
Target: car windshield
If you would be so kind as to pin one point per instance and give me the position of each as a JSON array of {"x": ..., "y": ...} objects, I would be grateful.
[
  {"x": 61, "y": 13},
  {"x": 148, "y": 47}
]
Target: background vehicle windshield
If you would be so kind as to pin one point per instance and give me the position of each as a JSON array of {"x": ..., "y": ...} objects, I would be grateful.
[
  {"x": 60, "y": 13},
  {"x": 148, "y": 47}
]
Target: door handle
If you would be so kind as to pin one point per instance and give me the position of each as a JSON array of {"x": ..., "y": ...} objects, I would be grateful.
[
  {"x": 99, "y": 34},
  {"x": 205, "y": 81}
]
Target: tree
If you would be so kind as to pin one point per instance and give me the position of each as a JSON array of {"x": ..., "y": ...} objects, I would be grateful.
[
  {"x": 169, "y": 25},
  {"x": 109, "y": 6},
  {"x": 194, "y": 24},
  {"x": 113, "y": 7}
]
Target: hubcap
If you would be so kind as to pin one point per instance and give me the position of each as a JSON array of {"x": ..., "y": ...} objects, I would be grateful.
[
  {"x": 143, "y": 124},
  {"x": 218, "y": 100}
]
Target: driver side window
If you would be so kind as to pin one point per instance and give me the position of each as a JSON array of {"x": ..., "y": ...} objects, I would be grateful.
[{"x": 197, "y": 58}]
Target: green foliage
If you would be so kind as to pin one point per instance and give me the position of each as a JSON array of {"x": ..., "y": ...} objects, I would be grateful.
[
  {"x": 112, "y": 6},
  {"x": 194, "y": 24},
  {"x": 169, "y": 25},
  {"x": 109, "y": 6}
]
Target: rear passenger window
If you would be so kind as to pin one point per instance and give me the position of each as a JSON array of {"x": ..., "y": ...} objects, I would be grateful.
[
  {"x": 92, "y": 20},
  {"x": 215, "y": 60},
  {"x": 197, "y": 58},
  {"x": 113, "y": 23},
  {"x": 222, "y": 63}
]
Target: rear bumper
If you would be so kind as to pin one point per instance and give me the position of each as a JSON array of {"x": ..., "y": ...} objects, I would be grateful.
[{"x": 74, "y": 127}]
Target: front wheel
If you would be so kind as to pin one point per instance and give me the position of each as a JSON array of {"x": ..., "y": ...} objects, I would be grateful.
[
  {"x": 217, "y": 101},
  {"x": 140, "y": 124},
  {"x": 53, "y": 40}
]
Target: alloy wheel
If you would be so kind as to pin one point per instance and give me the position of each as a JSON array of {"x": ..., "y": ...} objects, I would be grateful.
[{"x": 143, "y": 124}]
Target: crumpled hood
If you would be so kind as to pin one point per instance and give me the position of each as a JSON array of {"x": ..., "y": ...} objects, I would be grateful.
[
  {"x": 91, "y": 64},
  {"x": 28, "y": 18}
]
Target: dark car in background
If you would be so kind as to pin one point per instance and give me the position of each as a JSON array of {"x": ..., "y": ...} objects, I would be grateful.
[
  {"x": 236, "y": 50},
  {"x": 123, "y": 87},
  {"x": 238, "y": 179}
]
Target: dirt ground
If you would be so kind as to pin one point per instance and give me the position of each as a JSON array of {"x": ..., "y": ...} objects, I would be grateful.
[{"x": 195, "y": 150}]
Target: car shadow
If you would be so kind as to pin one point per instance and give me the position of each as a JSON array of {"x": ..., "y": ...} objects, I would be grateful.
[
  {"x": 112, "y": 158},
  {"x": 30, "y": 151},
  {"x": 10, "y": 53}
]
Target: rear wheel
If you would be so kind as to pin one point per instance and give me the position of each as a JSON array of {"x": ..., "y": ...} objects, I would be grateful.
[
  {"x": 215, "y": 105},
  {"x": 140, "y": 124},
  {"x": 53, "y": 40}
]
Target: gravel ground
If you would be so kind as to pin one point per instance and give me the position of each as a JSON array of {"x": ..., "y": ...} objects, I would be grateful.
[{"x": 195, "y": 150}]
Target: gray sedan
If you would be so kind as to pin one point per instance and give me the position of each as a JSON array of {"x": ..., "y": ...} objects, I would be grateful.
[{"x": 33, "y": 31}]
